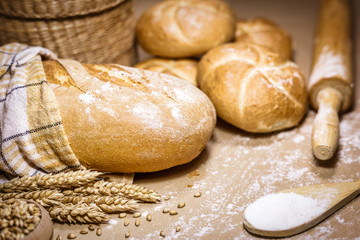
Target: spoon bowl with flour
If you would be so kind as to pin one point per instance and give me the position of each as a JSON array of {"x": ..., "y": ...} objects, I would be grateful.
[{"x": 295, "y": 210}]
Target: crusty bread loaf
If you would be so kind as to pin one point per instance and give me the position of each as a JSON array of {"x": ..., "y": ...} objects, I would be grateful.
[
  {"x": 122, "y": 119},
  {"x": 264, "y": 32},
  {"x": 252, "y": 87},
  {"x": 182, "y": 68},
  {"x": 185, "y": 28}
]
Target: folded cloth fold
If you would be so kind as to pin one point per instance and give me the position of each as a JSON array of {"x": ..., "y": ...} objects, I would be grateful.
[{"x": 33, "y": 139}]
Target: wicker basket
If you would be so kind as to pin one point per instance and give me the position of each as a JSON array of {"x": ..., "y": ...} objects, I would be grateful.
[{"x": 90, "y": 31}]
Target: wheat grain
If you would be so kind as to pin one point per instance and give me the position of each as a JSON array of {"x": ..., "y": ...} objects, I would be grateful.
[
  {"x": 162, "y": 234},
  {"x": 173, "y": 212},
  {"x": 198, "y": 194},
  {"x": 137, "y": 222},
  {"x": 99, "y": 231},
  {"x": 181, "y": 205},
  {"x": 91, "y": 227},
  {"x": 137, "y": 214},
  {"x": 71, "y": 236},
  {"x": 18, "y": 218}
]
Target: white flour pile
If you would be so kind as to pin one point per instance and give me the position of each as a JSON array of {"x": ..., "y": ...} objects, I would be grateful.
[{"x": 283, "y": 211}]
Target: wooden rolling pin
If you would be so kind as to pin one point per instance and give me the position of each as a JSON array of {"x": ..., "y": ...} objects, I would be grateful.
[{"x": 330, "y": 84}]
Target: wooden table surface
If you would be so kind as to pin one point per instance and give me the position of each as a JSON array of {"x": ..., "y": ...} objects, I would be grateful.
[{"x": 237, "y": 167}]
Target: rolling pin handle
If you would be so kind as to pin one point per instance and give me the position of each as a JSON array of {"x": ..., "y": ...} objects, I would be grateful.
[{"x": 325, "y": 133}]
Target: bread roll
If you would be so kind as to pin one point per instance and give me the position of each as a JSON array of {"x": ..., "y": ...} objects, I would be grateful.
[
  {"x": 122, "y": 119},
  {"x": 265, "y": 33},
  {"x": 252, "y": 87},
  {"x": 185, "y": 28},
  {"x": 183, "y": 68}
]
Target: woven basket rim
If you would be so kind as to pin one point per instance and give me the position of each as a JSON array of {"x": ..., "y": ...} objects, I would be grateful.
[{"x": 54, "y": 9}]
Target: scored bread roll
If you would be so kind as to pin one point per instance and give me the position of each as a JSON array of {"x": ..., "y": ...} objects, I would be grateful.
[
  {"x": 123, "y": 119},
  {"x": 182, "y": 68},
  {"x": 252, "y": 88},
  {"x": 264, "y": 32},
  {"x": 185, "y": 28}
]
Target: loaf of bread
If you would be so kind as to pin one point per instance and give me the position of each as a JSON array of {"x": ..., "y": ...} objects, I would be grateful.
[
  {"x": 252, "y": 87},
  {"x": 185, "y": 28},
  {"x": 182, "y": 68},
  {"x": 123, "y": 119},
  {"x": 264, "y": 32}
]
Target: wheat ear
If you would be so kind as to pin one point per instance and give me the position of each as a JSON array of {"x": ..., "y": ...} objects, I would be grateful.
[
  {"x": 62, "y": 180},
  {"x": 106, "y": 203},
  {"x": 119, "y": 189},
  {"x": 78, "y": 213},
  {"x": 45, "y": 198}
]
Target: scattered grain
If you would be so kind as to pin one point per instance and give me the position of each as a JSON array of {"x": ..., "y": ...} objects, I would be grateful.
[
  {"x": 194, "y": 174},
  {"x": 166, "y": 210},
  {"x": 126, "y": 222},
  {"x": 59, "y": 237},
  {"x": 127, "y": 234},
  {"x": 162, "y": 234},
  {"x": 99, "y": 231},
  {"x": 71, "y": 236},
  {"x": 167, "y": 197},
  {"x": 137, "y": 214},
  {"x": 173, "y": 212},
  {"x": 122, "y": 215},
  {"x": 83, "y": 231},
  {"x": 198, "y": 194},
  {"x": 91, "y": 227},
  {"x": 181, "y": 205},
  {"x": 149, "y": 217},
  {"x": 137, "y": 222},
  {"x": 178, "y": 228}
]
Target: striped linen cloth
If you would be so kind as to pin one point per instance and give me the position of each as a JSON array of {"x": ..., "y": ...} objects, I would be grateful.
[{"x": 33, "y": 139}]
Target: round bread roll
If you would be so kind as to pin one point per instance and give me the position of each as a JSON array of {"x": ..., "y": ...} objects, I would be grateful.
[
  {"x": 266, "y": 33},
  {"x": 252, "y": 87},
  {"x": 122, "y": 119},
  {"x": 185, "y": 28},
  {"x": 182, "y": 68}
]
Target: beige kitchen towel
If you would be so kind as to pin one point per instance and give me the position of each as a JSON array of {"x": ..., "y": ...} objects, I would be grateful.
[{"x": 33, "y": 139}]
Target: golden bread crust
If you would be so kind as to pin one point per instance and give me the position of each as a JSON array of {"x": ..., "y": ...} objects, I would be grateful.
[
  {"x": 122, "y": 119},
  {"x": 252, "y": 88},
  {"x": 185, "y": 28}
]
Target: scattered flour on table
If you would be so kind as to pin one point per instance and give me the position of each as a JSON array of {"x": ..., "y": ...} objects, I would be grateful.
[
  {"x": 111, "y": 223},
  {"x": 282, "y": 211},
  {"x": 87, "y": 98}
]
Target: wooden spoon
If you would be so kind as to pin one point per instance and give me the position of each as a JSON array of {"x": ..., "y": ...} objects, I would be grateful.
[{"x": 330, "y": 197}]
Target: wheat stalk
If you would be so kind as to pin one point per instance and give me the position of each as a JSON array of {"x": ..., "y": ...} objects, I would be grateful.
[
  {"x": 62, "y": 180},
  {"x": 78, "y": 196},
  {"x": 78, "y": 213},
  {"x": 106, "y": 203},
  {"x": 119, "y": 189},
  {"x": 45, "y": 198}
]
